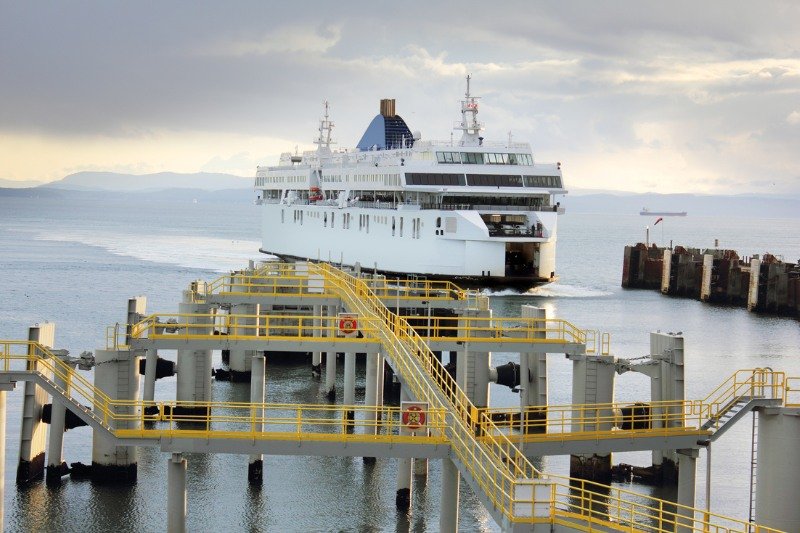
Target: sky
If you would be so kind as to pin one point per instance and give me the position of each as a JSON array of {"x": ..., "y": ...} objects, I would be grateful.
[{"x": 698, "y": 97}]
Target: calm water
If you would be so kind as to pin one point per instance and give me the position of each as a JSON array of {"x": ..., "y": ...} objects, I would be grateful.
[{"x": 77, "y": 264}]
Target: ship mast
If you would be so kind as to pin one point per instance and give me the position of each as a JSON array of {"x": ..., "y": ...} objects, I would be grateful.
[
  {"x": 324, "y": 141},
  {"x": 469, "y": 125}
]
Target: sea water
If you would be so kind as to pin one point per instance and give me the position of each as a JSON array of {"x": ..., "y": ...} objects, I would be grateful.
[{"x": 77, "y": 262}]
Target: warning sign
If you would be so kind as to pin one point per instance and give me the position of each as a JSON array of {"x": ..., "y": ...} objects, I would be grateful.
[
  {"x": 414, "y": 414},
  {"x": 348, "y": 325}
]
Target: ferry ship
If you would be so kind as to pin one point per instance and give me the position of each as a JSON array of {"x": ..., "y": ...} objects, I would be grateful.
[{"x": 466, "y": 209}]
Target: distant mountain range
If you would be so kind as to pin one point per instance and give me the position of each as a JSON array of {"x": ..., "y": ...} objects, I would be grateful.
[{"x": 112, "y": 181}]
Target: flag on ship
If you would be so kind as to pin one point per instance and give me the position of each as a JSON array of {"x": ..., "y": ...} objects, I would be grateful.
[{"x": 659, "y": 220}]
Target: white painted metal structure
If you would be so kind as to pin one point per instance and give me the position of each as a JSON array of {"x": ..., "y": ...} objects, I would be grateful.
[{"x": 455, "y": 209}]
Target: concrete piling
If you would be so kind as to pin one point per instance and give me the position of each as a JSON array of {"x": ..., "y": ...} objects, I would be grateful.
[
  {"x": 592, "y": 383},
  {"x": 116, "y": 375},
  {"x": 349, "y": 385},
  {"x": 194, "y": 366},
  {"x": 533, "y": 377},
  {"x": 255, "y": 468},
  {"x": 33, "y": 433},
  {"x": 404, "y": 468},
  {"x": 176, "y": 494},
  {"x": 56, "y": 467},
  {"x": 448, "y": 505}
]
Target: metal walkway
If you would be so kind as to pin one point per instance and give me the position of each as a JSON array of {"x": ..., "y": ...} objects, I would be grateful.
[{"x": 512, "y": 490}]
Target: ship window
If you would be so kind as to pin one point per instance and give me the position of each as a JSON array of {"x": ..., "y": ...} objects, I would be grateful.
[
  {"x": 448, "y": 157},
  {"x": 401, "y": 226},
  {"x": 418, "y": 178},
  {"x": 543, "y": 181},
  {"x": 333, "y": 215},
  {"x": 472, "y": 158},
  {"x": 325, "y": 220},
  {"x": 281, "y": 216},
  {"x": 492, "y": 180},
  {"x": 438, "y": 222},
  {"x": 392, "y": 226}
]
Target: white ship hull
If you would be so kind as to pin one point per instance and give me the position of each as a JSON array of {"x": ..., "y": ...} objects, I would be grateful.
[{"x": 461, "y": 248}]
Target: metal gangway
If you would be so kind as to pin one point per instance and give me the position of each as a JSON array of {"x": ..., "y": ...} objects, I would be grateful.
[{"x": 517, "y": 495}]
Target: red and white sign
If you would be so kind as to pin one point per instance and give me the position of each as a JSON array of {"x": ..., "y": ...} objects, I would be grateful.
[
  {"x": 414, "y": 414},
  {"x": 348, "y": 324}
]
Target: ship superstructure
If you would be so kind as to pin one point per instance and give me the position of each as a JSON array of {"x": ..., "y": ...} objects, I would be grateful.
[{"x": 466, "y": 208}]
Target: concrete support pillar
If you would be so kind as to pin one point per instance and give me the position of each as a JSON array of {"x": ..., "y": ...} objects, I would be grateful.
[
  {"x": 194, "y": 366},
  {"x": 666, "y": 384},
  {"x": 666, "y": 270},
  {"x": 330, "y": 362},
  {"x": 778, "y": 468},
  {"x": 472, "y": 370},
  {"x": 686, "y": 487},
  {"x": 316, "y": 357},
  {"x": 403, "y": 494},
  {"x": 533, "y": 376},
  {"x": 381, "y": 372},
  {"x": 255, "y": 469},
  {"x": 592, "y": 383},
  {"x": 150, "y": 366},
  {"x": 56, "y": 467},
  {"x": 2, "y": 454},
  {"x": 371, "y": 398},
  {"x": 34, "y": 432},
  {"x": 349, "y": 383},
  {"x": 116, "y": 374},
  {"x": 245, "y": 318},
  {"x": 176, "y": 494},
  {"x": 448, "y": 505},
  {"x": 752, "y": 290}
]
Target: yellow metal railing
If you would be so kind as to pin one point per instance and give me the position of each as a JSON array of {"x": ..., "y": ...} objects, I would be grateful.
[
  {"x": 496, "y": 329},
  {"x": 277, "y": 278},
  {"x": 618, "y": 419},
  {"x": 744, "y": 385},
  {"x": 496, "y": 464},
  {"x": 327, "y": 423},
  {"x": 248, "y": 327}
]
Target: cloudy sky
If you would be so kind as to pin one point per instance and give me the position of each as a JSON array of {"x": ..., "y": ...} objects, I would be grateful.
[{"x": 640, "y": 96}]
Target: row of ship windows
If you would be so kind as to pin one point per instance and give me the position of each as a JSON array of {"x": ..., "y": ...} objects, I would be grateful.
[
  {"x": 480, "y": 158},
  {"x": 483, "y": 180},
  {"x": 363, "y": 221},
  {"x": 386, "y": 179}
]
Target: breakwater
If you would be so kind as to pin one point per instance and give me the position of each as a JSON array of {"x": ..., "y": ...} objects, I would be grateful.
[{"x": 765, "y": 284}]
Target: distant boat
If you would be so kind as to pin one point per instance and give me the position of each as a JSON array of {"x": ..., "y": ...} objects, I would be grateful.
[{"x": 647, "y": 212}]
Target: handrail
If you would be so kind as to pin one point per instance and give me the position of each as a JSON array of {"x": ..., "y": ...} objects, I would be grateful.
[
  {"x": 265, "y": 421},
  {"x": 496, "y": 464}
]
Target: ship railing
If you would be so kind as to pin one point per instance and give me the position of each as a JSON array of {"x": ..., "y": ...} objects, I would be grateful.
[
  {"x": 433, "y": 143},
  {"x": 488, "y": 207}
]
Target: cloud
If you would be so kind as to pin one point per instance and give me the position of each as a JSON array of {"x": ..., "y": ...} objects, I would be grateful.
[
  {"x": 641, "y": 88},
  {"x": 292, "y": 39}
]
